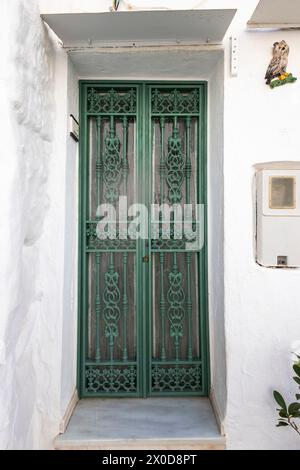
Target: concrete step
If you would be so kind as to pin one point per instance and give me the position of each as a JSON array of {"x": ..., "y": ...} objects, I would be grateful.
[{"x": 149, "y": 424}]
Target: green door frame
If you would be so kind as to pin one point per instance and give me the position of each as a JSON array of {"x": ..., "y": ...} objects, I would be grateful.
[{"x": 144, "y": 299}]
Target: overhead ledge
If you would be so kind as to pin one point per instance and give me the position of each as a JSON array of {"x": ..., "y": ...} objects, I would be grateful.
[
  {"x": 137, "y": 28},
  {"x": 276, "y": 14}
]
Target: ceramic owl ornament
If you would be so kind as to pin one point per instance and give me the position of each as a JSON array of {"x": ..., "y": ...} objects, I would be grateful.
[{"x": 276, "y": 74}]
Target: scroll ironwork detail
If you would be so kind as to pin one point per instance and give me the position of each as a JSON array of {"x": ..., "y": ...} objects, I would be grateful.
[
  {"x": 112, "y": 174},
  {"x": 108, "y": 379},
  {"x": 176, "y": 312},
  {"x": 106, "y": 101},
  {"x": 175, "y": 167},
  {"x": 176, "y": 378},
  {"x": 111, "y": 311},
  {"x": 175, "y": 101}
]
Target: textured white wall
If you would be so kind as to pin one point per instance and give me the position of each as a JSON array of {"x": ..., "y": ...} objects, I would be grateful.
[
  {"x": 215, "y": 189},
  {"x": 38, "y": 174},
  {"x": 261, "y": 305},
  {"x": 27, "y": 399},
  {"x": 34, "y": 189},
  {"x": 70, "y": 276}
]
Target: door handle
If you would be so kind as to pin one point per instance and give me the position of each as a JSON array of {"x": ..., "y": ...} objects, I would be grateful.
[{"x": 145, "y": 259}]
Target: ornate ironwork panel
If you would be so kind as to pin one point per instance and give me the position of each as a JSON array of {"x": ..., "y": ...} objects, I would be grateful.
[
  {"x": 111, "y": 379},
  {"x": 112, "y": 171},
  {"x": 175, "y": 101},
  {"x": 142, "y": 298},
  {"x": 178, "y": 358},
  {"x": 109, "y": 101},
  {"x": 175, "y": 166},
  {"x": 184, "y": 378},
  {"x": 110, "y": 356}
]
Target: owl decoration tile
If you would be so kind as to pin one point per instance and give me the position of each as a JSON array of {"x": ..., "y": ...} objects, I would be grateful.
[{"x": 276, "y": 74}]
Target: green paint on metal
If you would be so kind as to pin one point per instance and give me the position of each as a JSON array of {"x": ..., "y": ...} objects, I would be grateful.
[
  {"x": 188, "y": 165},
  {"x": 118, "y": 334},
  {"x": 112, "y": 173},
  {"x": 175, "y": 166},
  {"x": 111, "y": 311},
  {"x": 125, "y": 165},
  {"x": 176, "y": 311},
  {"x": 176, "y": 380},
  {"x": 98, "y": 308},
  {"x": 188, "y": 173},
  {"x": 125, "y": 307},
  {"x": 110, "y": 379},
  {"x": 174, "y": 101},
  {"x": 189, "y": 306},
  {"x": 111, "y": 101},
  {"x": 162, "y": 308},
  {"x": 99, "y": 162}
]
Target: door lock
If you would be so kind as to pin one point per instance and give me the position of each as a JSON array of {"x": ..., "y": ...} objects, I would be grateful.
[{"x": 145, "y": 259}]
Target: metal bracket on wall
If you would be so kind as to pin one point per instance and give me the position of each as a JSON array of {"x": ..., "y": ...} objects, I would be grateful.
[
  {"x": 74, "y": 128},
  {"x": 234, "y": 56}
]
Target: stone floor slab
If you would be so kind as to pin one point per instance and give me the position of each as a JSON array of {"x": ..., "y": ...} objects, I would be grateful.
[{"x": 152, "y": 423}]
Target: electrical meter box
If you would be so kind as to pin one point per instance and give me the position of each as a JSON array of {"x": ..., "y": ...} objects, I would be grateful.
[{"x": 278, "y": 214}]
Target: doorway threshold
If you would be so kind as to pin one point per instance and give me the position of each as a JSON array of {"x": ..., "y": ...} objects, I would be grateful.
[{"x": 149, "y": 424}]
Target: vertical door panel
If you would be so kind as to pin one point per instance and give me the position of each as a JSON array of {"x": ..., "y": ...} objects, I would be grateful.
[
  {"x": 110, "y": 356},
  {"x": 177, "y": 359},
  {"x": 143, "y": 326}
]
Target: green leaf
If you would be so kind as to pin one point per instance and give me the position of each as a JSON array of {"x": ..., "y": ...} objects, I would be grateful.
[
  {"x": 297, "y": 396},
  {"x": 297, "y": 380},
  {"x": 279, "y": 399},
  {"x": 296, "y": 368},
  {"x": 281, "y": 423},
  {"x": 293, "y": 408},
  {"x": 283, "y": 414}
]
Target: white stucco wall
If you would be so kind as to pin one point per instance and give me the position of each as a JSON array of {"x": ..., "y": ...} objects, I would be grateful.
[
  {"x": 27, "y": 330},
  {"x": 38, "y": 90},
  {"x": 35, "y": 197},
  {"x": 215, "y": 188},
  {"x": 261, "y": 305},
  {"x": 70, "y": 275}
]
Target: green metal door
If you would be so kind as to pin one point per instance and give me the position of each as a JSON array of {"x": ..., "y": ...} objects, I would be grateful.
[{"x": 143, "y": 284}]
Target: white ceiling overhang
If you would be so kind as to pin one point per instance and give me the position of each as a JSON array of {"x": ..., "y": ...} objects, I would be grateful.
[
  {"x": 276, "y": 14},
  {"x": 163, "y": 27}
]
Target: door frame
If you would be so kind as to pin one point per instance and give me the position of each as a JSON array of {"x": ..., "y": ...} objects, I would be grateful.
[{"x": 203, "y": 255}]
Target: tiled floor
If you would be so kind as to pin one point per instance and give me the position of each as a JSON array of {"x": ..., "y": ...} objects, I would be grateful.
[{"x": 152, "y": 423}]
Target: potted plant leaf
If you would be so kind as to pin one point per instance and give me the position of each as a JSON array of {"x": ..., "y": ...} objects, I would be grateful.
[{"x": 288, "y": 413}]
